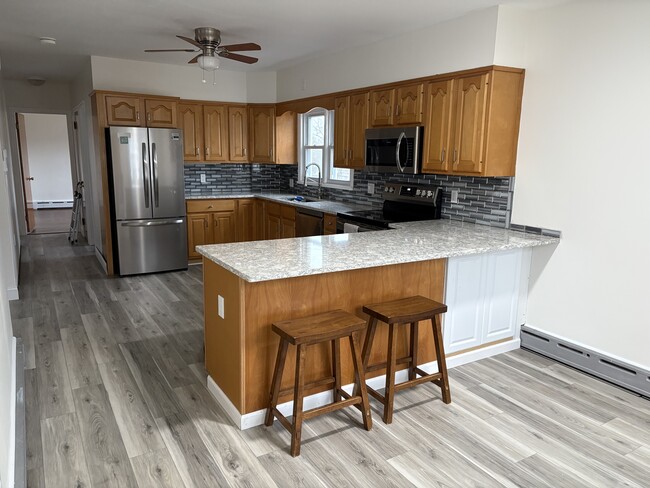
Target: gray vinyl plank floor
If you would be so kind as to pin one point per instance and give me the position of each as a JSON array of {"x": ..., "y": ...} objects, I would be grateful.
[{"x": 115, "y": 396}]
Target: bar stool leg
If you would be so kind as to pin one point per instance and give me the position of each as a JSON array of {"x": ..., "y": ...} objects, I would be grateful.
[
  {"x": 414, "y": 351},
  {"x": 389, "y": 393},
  {"x": 336, "y": 369},
  {"x": 360, "y": 379},
  {"x": 277, "y": 380},
  {"x": 442, "y": 362},
  {"x": 298, "y": 393},
  {"x": 367, "y": 346}
]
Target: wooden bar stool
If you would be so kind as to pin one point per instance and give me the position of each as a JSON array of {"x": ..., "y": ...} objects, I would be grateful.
[
  {"x": 329, "y": 326},
  {"x": 409, "y": 310}
]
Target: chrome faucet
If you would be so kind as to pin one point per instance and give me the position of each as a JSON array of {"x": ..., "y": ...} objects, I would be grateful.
[{"x": 320, "y": 181}]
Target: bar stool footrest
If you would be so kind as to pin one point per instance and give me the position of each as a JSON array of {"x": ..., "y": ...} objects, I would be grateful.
[
  {"x": 417, "y": 381},
  {"x": 331, "y": 407}
]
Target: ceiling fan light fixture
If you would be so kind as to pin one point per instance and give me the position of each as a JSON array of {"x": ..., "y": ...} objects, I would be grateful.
[{"x": 208, "y": 63}]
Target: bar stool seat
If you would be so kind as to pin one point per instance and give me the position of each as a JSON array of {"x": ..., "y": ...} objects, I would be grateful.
[
  {"x": 324, "y": 327},
  {"x": 410, "y": 310}
]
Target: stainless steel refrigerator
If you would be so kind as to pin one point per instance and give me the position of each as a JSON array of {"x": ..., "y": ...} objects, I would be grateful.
[{"x": 147, "y": 199}]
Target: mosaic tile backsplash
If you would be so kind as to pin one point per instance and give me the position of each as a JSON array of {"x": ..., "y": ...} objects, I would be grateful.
[{"x": 482, "y": 200}]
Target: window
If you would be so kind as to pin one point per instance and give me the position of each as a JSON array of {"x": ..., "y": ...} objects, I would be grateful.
[{"x": 317, "y": 151}]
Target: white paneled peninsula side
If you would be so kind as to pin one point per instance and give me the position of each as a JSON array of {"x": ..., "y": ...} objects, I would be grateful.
[{"x": 480, "y": 272}]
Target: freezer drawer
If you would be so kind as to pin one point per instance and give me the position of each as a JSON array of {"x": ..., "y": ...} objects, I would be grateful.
[{"x": 150, "y": 246}]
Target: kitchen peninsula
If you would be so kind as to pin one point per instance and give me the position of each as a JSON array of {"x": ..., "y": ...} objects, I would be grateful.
[{"x": 479, "y": 271}]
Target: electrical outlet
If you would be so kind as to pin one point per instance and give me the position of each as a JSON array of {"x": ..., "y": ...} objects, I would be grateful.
[
  {"x": 203, "y": 180},
  {"x": 371, "y": 188},
  {"x": 220, "y": 307},
  {"x": 290, "y": 182},
  {"x": 454, "y": 196}
]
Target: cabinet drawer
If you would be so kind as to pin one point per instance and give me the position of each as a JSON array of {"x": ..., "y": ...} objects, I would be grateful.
[
  {"x": 288, "y": 212},
  {"x": 329, "y": 224},
  {"x": 198, "y": 206}
]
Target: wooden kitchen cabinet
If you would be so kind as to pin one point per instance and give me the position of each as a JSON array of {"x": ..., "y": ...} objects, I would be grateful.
[
  {"x": 397, "y": 106},
  {"x": 350, "y": 124},
  {"x": 210, "y": 222},
  {"x": 123, "y": 110},
  {"x": 280, "y": 221},
  {"x": 288, "y": 221},
  {"x": 286, "y": 138},
  {"x": 161, "y": 113},
  {"x": 472, "y": 124},
  {"x": 215, "y": 122},
  {"x": 261, "y": 133},
  {"x": 190, "y": 120},
  {"x": 238, "y": 133},
  {"x": 224, "y": 224},
  {"x": 246, "y": 222},
  {"x": 199, "y": 232},
  {"x": 329, "y": 224}
]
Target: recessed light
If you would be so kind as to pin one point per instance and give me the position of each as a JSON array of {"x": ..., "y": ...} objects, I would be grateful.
[
  {"x": 35, "y": 80},
  {"x": 48, "y": 40}
]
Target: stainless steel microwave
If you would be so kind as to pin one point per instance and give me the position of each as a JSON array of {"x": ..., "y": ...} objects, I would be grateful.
[{"x": 394, "y": 149}]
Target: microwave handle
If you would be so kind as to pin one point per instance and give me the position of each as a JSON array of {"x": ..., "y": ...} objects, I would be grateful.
[{"x": 397, "y": 148}]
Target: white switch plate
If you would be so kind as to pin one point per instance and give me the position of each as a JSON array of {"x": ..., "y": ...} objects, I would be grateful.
[
  {"x": 220, "y": 307},
  {"x": 290, "y": 182},
  {"x": 371, "y": 188},
  {"x": 203, "y": 180},
  {"x": 454, "y": 196}
]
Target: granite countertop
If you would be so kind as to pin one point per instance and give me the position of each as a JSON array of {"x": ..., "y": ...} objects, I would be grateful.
[
  {"x": 327, "y": 206},
  {"x": 408, "y": 242}
]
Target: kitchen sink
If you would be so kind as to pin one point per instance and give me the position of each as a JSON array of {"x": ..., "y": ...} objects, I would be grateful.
[{"x": 303, "y": 199}]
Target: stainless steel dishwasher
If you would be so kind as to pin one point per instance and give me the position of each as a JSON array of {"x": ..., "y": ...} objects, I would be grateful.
[{"x": 308, "y": 222}]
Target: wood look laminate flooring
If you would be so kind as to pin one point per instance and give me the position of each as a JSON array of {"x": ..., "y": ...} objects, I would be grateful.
[{"x": 115, "y": 397}]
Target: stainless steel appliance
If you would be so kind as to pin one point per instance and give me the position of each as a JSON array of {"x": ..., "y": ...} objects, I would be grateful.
[
  {"x": 394, "y": 149},
  {"x": 147, "y": 199},
  {"x": 402, "y": 203},
  {"x": 308, "y": 222}
]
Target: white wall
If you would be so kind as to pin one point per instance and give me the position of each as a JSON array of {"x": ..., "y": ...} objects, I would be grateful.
[
  {"x": 261, "y": 86},
  {"x": 49, "y": 156},
  {"x": 167, "y": 79},
  {"x": 467, "y": 42},
  {"x": 583, "y": 168},
  {"x": 8, "y": 278}
]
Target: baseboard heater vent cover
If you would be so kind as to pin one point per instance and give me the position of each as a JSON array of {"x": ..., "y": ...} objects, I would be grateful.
[
  {"x": 52, "y": 204},
  {"x": 592, "y": 362}
]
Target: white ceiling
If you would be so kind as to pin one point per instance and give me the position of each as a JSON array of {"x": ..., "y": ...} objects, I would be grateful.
[{"x": 289, "y": 31}]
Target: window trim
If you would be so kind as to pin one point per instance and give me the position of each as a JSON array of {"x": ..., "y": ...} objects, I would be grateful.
[{"x": 328, "y": 152}]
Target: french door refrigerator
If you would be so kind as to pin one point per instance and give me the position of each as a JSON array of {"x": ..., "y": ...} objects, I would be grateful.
[{"x": 147, "y": 199}]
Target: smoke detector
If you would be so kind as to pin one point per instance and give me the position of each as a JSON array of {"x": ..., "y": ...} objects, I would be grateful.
[{"x": 48, "y": 40}]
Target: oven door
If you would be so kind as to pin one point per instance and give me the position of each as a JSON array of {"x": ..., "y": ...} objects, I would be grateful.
[{"x": 394, "y": 149}]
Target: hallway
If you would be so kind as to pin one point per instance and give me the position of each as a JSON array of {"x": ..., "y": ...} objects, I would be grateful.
[{"x": 52, "y": 221}]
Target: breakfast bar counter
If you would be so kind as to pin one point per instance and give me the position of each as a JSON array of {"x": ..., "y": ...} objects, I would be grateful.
[{"x": 480, "y": 272}]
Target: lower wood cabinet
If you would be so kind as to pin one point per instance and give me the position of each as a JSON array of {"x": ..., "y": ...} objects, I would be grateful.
[
  {"x": 329, "y": 224},
  {"x": 280, "y": 221},
  {"x": 199, "y": 232},
  {"x": 210, "y": 222},
  {"x": 246, "y": 220}
]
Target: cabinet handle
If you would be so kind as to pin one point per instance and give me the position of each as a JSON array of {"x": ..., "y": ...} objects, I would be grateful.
[
  {"x": 207, "y": 151},
  {"x": 137, "y": 115},
  {"x": 455, "y": 155},
  {"x": 149, "y": 116},
  {"x": 244, "y": 151},
  {"x": 397, "y": 110},
  {"x": 442, "y": 155},
  {"x": 197, "y": 150}
]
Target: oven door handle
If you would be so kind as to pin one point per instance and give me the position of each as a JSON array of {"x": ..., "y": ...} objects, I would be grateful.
[{"x": 397, "y": 148}]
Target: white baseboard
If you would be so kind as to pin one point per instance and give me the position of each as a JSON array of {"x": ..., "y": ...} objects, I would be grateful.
[
  {"x": 256, "y": 418},
  {"x": 102, "y": 261},
  {"x": 12, "y": 293},
  {"x": 11, "y": 458}
]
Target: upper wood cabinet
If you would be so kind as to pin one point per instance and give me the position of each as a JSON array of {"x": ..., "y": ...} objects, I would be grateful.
[
  {"x": 161, "y": 113},
  {"x": 472, "y": 124},
  {"x": 238, "y": 133},
  {"x": 397, "y": 106},
  {"x": 286, "y": 138},
  {"x": 350, "y": 124},
  {"x": 261, "y": 124},
  {"x": 190, "y": 118},
  {"x": 140, "y": 112},
  {"x": 215, "y": 122},
  {"x": 127, "y": 111}
]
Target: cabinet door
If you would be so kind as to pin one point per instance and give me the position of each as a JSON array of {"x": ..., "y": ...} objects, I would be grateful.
[
  {"x": 223, "y": 224},
  {"x": 126, "y": 111},
  {"x": 215, "y": 121},
  {"x": 199, "y": 232},
  {"x": 409, "y": 104},
  {"x": 381, "y": 107},
  {"x": 161, "y": 113},
  {"x": 288, "y": 228},
  {"x": 286, "y": 138},
  {"x": 190, "y": 117},
  {"x": 261, "y": 123},
  {"x": 437, "y": 126},
  {"x": 503, "y": 278},
  {"x": 238, "y": 133},
  {"x": 357, "y": 130},
  {"x": 341, "y": 131},
  {"x": 260, "y": 220},
  {"x": 245, "y": 220},
  {"x": 469, "y": 132},
  {"x": 329, "y": 224},
  {"x": 272, "y": 221}
]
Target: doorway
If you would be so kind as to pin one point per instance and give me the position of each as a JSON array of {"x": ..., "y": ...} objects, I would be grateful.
[{"x": 47, "y": 171}]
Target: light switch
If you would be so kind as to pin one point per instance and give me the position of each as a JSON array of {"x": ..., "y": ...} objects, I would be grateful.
[
  {"x": 371, "y": 188},
  {"x": 290, "y": 182},
  {"x": 203, "y": 180},
  {"x": 220, "y": 307},
  {"x": 454, "y": 196}
]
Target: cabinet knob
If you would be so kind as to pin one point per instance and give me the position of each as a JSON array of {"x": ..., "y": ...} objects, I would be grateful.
[
  {"x": 442, "y": 155},
  {"x": 149, "y": 116},
  {"x": 197, "y": 150},
  {"x": 455, "y": 155},
  {"x": 137, "y": 115}
]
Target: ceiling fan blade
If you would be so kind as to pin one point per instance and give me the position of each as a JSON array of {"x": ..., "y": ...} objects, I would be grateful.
[
  {"x": 191, "y": 41},
  {"x": 238, "y": 57},
  {"x": 195, "y": 59},
  {"x": 247, "y": 46},
  {"x": 169, "y": 50}
]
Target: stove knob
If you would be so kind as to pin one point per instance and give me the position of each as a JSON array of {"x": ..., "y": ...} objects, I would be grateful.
[
  {"x": 391, "y": 189},
  {"x": 429, "y": 194},
  {"x": 385, "y": 188},
  {"x": 417, "y": 193}
]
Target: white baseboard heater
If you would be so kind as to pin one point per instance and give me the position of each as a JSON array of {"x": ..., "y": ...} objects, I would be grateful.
[
  {"x": 618, "y": 372},
  {"x": 52, "y": 204}
]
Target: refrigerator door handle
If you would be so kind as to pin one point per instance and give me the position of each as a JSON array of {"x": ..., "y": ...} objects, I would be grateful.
[
  {"x": 145, "y": 174},
  {"x": 152, "y": 223},
  {"x": 154, "y": 156}
]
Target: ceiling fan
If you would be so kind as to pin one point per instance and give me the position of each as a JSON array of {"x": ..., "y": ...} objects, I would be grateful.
[{"x": 208, "y": 42}]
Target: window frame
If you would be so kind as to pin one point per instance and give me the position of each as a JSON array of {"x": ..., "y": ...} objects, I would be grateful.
[{"x": 328, "y": 152}]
